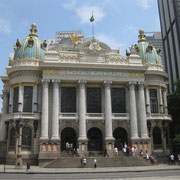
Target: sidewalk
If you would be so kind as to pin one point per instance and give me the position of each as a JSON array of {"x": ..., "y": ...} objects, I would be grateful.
[{"x": 37, "y": 170}]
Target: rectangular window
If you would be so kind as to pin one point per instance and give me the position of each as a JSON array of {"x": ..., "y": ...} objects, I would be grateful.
[
  {"x": 28, "y": 93},
  {"x": 118, "y": 100},
  {"x": 93, "y": 100},
  {"x": 15, "y": 99},
  {"x": 68, "y": 99},
  {"x": 162, "y": 94},
  {"x": 153, "y": 100}
]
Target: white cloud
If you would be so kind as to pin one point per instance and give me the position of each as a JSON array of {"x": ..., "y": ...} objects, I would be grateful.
[
  {"x": 145, "y": 4},
  {"x": 131, "y": 28},
  {"x": 85, "y": 13},
  {"x": 71, "y": 5},
  {"x": 112, "y": 42},
  {"x": 5, "y": 26}
]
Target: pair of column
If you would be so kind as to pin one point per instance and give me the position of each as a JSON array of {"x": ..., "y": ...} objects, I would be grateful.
[
  {"x": 82, "y": 110},
  {"x": 141, "y": 111},
  {"x": 45, "y": 110}
]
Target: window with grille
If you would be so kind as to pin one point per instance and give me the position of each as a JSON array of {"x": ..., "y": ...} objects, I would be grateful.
[
  {"x": 118, "y": 100},
  {"x": 28, "y": 94},
  {"x": 15, "y": 99},
  {"x": 93, "y": 100},
  {"x": 68, "y": 99},
  {"x": 153, "y": 100},
  {"x": 26, "y": 136}
]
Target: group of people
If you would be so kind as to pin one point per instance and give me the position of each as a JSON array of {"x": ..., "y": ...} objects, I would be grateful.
[
  {"x": 71, "y": 150},
  {"x": 84, "y": 161},
  {"x": 127, "y": 150},
  {"x": 174, "y": 158}
]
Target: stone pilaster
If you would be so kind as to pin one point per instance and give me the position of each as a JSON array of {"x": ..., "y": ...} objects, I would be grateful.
[
  {"x": 142, "y": 111},
  {"x": 165, "y": 102},
  {"x": 20, "y": 98},
  {"x": 148, "y": 110},
  {"x": 160, "y": 100},
  {"x": 82, "y": 140},
  {"x": 35, "y": 99},
  {"x": 133, "y": 112},
  {"x": 55, "y": 109},
  {"x": 11, "y": 100},
  {"x": 45, "y": 104}
]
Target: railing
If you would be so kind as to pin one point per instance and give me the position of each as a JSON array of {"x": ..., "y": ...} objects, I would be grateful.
[
  {"x": 70, "y": 116},
  {"x": 95, "y": 116},
  {"x": 120, "y": 116},
  {"x": 159, "y": 116},
  {"x": 22, "y": 115}
]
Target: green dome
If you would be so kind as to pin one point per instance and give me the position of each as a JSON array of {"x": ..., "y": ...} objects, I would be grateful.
[
  {"x": 31, "y": 47},
  {"x": 146, "y": 51}
]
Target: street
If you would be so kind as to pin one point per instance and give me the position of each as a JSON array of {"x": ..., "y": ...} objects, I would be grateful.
[{"x": 149, "y": 175}]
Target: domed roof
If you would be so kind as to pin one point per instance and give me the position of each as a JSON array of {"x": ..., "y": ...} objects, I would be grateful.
[
  {"x": 31, "y": 47},
  {"x": 146, "y": 51}
]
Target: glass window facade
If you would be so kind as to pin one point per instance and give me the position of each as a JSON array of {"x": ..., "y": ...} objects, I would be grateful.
[{"x": 153, "y": 100}]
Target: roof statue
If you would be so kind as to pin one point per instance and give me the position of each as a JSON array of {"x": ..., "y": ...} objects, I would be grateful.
[{"x": 75, "y": 39}]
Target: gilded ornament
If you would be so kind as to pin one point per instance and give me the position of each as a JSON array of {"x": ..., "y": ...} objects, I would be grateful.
[
  {"x": 18, "y": 44},
  {"x": 44, "y": 45},
  {"x": 30, "y": 41}
]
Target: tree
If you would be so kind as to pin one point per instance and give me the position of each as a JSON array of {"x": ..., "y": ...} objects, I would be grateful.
[{"x": 174, "y": 110}]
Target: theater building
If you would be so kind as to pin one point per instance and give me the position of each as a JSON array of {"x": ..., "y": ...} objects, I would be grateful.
[{"x": 80, "y": 91}]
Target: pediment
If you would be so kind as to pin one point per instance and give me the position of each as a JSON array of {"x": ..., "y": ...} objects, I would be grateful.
[{"x": 94, "y": 47}]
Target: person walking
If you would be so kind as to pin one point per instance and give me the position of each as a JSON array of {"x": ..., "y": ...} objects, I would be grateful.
[
  {"x": 95, "y": 163},
  {"x": 84, "y": 162}
]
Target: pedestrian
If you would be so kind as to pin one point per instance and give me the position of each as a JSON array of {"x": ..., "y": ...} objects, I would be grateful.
[
  {"x": 178, "y": 158},
  {"x": 84, "y": 162},
  {"x": 147, "y": 156},
  {"x": 95, "y": 163},
  {"x": 129, "y": 147},
  {"x": 172, "y": 159},
  {"x": 133, "y": 151},
  {"x": 124, "y": 151},
  {"x": 105, "y": 153},
  {"x": 125, "y": 145},
  {"x": 116, "y": 150},
  {"x": 77, "y": 152}
]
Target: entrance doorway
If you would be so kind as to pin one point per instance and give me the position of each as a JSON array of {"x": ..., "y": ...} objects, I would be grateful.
[
  {"x": 68, "y": 135},
  {"x": 120, "y": 136},
  {"x": 95, "y": 139}
]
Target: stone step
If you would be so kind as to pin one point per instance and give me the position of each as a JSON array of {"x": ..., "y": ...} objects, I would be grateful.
[{"x": 118, "y": 161}]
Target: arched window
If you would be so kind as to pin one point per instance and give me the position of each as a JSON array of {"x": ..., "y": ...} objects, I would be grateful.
[
  {"x": 26, "y": 136},
  {"x": 157, "y": 136},
  {"x": 12, "y": 137}
]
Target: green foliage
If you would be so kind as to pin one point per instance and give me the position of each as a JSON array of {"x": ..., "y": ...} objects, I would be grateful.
[{"x": 177, "y": 138}]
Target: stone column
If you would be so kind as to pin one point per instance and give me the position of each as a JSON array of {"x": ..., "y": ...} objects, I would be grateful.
[
  {"x": 5, "y": 108},
  {"x": 109, "y": 140},
  {"x": 148, "y": 110},
  {"x": 55, "y": 110},
  {"x": 142, "y": 111},
  {"x": 165, "y": 102},
  {"x": 133, "y": 112},
  {"x": 82, "y": 140},
  {"x": 108, "y": 110},
  {"x": 11, "y": 100},
  {"x": 20, "y": 98},
  {"x": 45, "y": 104},
  {"x": 82, "y": 110},
  {"x": 160, "y": 101},
  {"x": 35, "y": 103}
]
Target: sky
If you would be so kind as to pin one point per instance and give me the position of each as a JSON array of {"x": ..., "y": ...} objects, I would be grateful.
[{"x": 117, "y": 22}]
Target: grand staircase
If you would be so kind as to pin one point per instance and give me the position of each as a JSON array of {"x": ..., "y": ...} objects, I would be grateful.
[{"x": 68, "y": 161}]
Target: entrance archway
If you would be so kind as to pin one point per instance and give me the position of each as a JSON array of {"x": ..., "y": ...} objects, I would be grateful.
[
  {"x": 157, "y": 136},
  {"x": 120, "y": 136},
  {"x": 68, "y": 135},
  {"x": 95, "y": 139}
]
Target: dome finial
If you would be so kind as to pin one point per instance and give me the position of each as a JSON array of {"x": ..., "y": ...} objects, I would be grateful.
[
  {"x": 141, "y": 36},
  {"x": 33, "y": 30}
]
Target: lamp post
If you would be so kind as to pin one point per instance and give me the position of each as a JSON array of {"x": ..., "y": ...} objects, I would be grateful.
[{"x": 19, "y": 144}]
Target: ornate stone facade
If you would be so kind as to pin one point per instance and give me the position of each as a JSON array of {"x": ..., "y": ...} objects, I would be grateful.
[{"x": 90, "y": 97}]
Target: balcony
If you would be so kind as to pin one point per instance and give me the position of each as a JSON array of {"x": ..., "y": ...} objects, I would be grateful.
[
  {"x": 23, "y": 115},
  {"x": 120, "y": 116},
  {"x": 159, "y": 117},
  {"x": 94, "y": 116},
  {"x": 68, "y": 116}
]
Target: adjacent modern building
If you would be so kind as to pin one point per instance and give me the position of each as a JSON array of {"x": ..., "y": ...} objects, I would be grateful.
[
  {"x": 84, "y": 94},
  {"x": 169, "y": 11}
]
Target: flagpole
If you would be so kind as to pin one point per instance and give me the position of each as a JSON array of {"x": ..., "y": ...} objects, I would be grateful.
[{"x": 93, "y": 30}]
